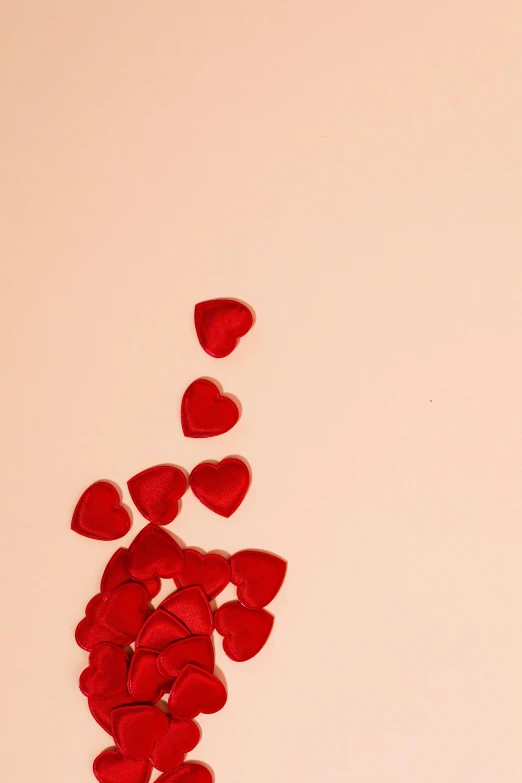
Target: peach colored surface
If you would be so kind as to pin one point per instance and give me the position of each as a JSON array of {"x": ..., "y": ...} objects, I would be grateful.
[{"x": 353, "y": 170}]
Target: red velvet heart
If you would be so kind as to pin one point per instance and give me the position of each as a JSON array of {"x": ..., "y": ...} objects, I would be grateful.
[
  {"x": 159, "y": 630},
  {"x": 106, "y": 674},
  {"x": 90, "y": 631},
  {"x": 154, "y": 553},
  {"x": 145, "y": 683},
  {"x": 136, "y": 728},
  {"x": 219, "y": 325},
  {"x": 101, "y": 709},
  {"x": 211, "y": 571},
  {"x": 245, "y": 631},
  {"x": 197, "y": 650},
  {"x": 195, "y": 691},
  {"x": 126, "y": 609},
  {"x": 187, "y": 773},
  {"x": 156, "y": 492},
  {"x": 258, "y": 577},
  {"x": 221, "y": 487},
  {"x": 117, "y": 573},
  {"x": 99, "y": 514},
  {"x": 205, "y": 412},
  {"x": 190, "y": 605},
  {"x": 111, "y": 767},
  {"x": 169, "y": 750}
]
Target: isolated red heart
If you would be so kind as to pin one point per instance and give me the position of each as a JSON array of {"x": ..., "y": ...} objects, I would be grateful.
[
  {"x": 136, "y": 728},
  {"x": 220, "y": 323},
  {"x": 106, "y": 674},
  {"x": 170, "y": 750},
  {"x": 154, "y": 552},
  {"x": 111, "y": 767},
  {"x": 190, "y": 605},
  {"x": 187, "y": 773},
  {"x": 156, "y": 492},
  {"x": 258, "y": 577},
  {"x": 195, "y": 691},
  {"x": 99, "y": 513},
  {"x": 117, "y": 573},
  {"x": 159, "y": 630},
  {"x": 145, "y": 683},
  {"x": 90, "y": 631},
  {"x": 205, "y": 412},
  {"x": 197, "y": 650},
  {"x": 126, "y": 609},
  {"x": 101, "y": 709},
  {"x": 211, "y": 572},
  {"x": 221, "y": 487},
  {"x": 245, "y": 631}
]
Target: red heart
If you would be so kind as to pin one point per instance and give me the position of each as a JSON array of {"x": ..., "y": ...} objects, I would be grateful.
[
  {"x": 211, "y": 571},
  {"x": 126, "y": 609},
  {"x": 191, "y": 606},
  {"x": 90, "y": 631},
  {"x": 221, "y": 487},
  {"x": 197, "y": 650},
  {"x": 111, "y": 767},
  {"x": 99, "y": 513},
  {"x": 205, "y": 412},
  {"x": 159, "y": 630},
  {"x": 156, "y": 492},
  {"x": 187, "y": 773},
  {"x": 258, "y": 577},
  {"x": 245, "y": 631},
  {"x": 106, "y": 674},
  {"x": 136, "y": 728},
  {"x": 101, "y": 709},
  {"x": 181, "y": 738},
  {"x": 154, "y": 553},
  {"x": 146, "y": 684},
  {"x": 195, "y": 691},
  {"x": 220, "y": 323},
  {"x": 117, "y": 573}
]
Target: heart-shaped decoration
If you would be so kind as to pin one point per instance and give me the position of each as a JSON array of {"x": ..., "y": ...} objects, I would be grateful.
[
  {"x": 245, "y": 631},
  {"x": 258, "y": 577},
  {"x": 170, "y": 750},
  {"x": 159, "y": 630},
  {"x": 126, "y": 609},
  {"x": 187, "y": 773},
  {"x": 156, "y": 493},
  {"x": 221, "y": 487},
  {"x": 220, "y": 323},
  {"x": 111, "y": 767},
  {"x": 205, "y": 412},
  {"x": 145, "y": 682},
  {"x": 117, "y": 573},
  {"x": 195, "y": 691},
  {"x": 136, "y": 728},
  {"x": 101, "y": 709},
  {"x": 90, "y": 631},
  {"x": 197, "y": 650},
  {"x": 211, "y": 572},
  {"x": 106, "y": 674},
  {"x": 154, "y": 552},
  {"x": 99, "y": 513},
  {"x": 190, "y": 605}
]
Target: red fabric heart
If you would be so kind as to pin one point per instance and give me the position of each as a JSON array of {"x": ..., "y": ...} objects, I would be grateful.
[
  {"x": 195, "y": 691},
  {"x": 106, "y": 674},
  {"x": 190, "y": 605},
  {"x": 159, "y": 630},
  {"x": 187, "y": 773},
  {"x": 156, "y": 492},
  {"x": 101, "y": 709},
  {"x": 211, "y": 572},
  {"x": 221, "y": 487},
  {"x": 136, "y": 728},
  {"x": 205, "y": 412},
  {"x": 197, "y": 650},
  {"x": 258, "y": 577},
  {"x": 220, "y": 323},
  {"x": 126, "y": 609},
  {"x": 245, "y": 631},
  {"x": 99, "y": 513},
  {"x": 154, "y": 552},
  {"x": 90, "y": 631},
  {"x": 146, "y": 683},
  {"x": 117, "y": 573},
  {"x": 111, "y": 767},
  {"x": 170, "y": 750}
]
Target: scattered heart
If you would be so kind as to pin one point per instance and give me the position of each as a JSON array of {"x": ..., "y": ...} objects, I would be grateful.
[
  {"x": 195, "y": 691},
  {"x": 154, "y": 552},
  {"x": 197, "y": 650},
  {"x": 145, "y": 682},
  {"x": 211, "y": 572},
  {"x": 191, "y": 607},
  {"x": 205, "y": 412},
  {"x": 111, "y": 767},
  {"x": 169, "y": 751},
  {"x": 258, "y": 577},
  {"x": 106, "y": 674},
  {"x": 245, "y": 631},
  {"x": 221, "y": 487},
  {"x": 99, "y": 513},
  {"x": 136, "y": 728},
  {"x": 156, "y": 493},
  {"x": 220, "y": 323}
]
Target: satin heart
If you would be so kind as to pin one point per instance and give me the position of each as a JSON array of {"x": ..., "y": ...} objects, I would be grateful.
[
  {"x": 117, "y": 573},
  {"x": 101, "y": 709},
  {"x": 221, "y": 487},
  {"x": 211, "y": 572},
  {"x": 106, "y": 674},
  {"x": 170, "y": 750},
  {"x": 258, "y": 577},
  {"x": 111, "y": 767},
  {"x": 187, "y": 773},
  {"x": 159, "y": 630},
  {"x": 154, "y": 553},
  {"x": 126, "y": 609},
  {"x": 136, "y": 728},
  {"x": 90, "y": 631},
  {"x": 195, "y": 691},
  {"x": 99, "y": 513},
  {"x": 245, "y": 631},
  {"x": 146, "y": 683},
  {"x": 205, "y": 412},
  {"x": 197, "y": 650},
  {"x": 156, "y": 493},
  {"x": 190, "y": 605},
  {"x": 220, "y": 323}
]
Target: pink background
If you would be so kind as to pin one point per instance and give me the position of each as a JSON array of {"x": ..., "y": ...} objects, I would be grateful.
[{"x": 353, "y": 170}]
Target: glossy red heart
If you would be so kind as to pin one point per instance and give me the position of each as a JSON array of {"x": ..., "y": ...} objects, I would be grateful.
[
  {"x": 111, "y": 767},
  {"x": 90, "y": 631},
  {"x": 170, "y": 750},
  {"x": 221, "y": 487},
  {"x": 187, "y": 773},
  {"x": 117, "y": 573},
  {"x": 126, "y": 609},
  {"x": 258, "y": 577},
  {"x": 197, "y": 650},
  {"x": 136, "y": 728},
  {"x": 106, "y": 674},
  {"x": 146, "y": 683},
  {"x": 220, "y": 323},
  {"x": 156, "y": 492},
  {"x": 154, "y": 552},
  {"x": 211, "y": 572},
  {"x": 99, "y": 513},
  {"x": 190, "y": 605},
  {"x": 205, "y": 412},
  {"x": 159, "y": 630},
  {"x": 195, "y": 691},
  {"x": 245, "y": 631},
  {"x": 101, "y": 709}
]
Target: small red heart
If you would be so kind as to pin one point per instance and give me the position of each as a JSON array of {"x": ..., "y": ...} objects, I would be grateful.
[
  {"x": 221, "y": 487},
  {"x": 99, "y": 513},
  {"x": 159, "y": 630},
  {"x": 190, "y": 605},
  {"x": 258, "y": 577},
  {"x": 156, "y": 492},
  {"x": 197, "y": 650},
  {"x": 101, "y": 709},
  {"x": 205, "y": 412},
  {"x": 126, "y": 609},
  {"x": 169, "y": 750},
  {"x": 145, "y": 682},
  {"x": 90, "y": 631},
  {"x": 106, "y": 674},
  {"x": 111, "y": 767},
  {"x": 211, "y": 571},
  {"x": 187, "y": 773},
  {"x": 117, "y": 573},
  {"x": 154, "y": 553},
  {"x": 136, "y": 728},
  {"x": 220, "y": 323},
  {"x": 245, "y": 631},
  {"x": 195, "y": 691}
]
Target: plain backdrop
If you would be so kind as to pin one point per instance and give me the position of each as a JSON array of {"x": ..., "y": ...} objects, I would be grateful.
[{"x": 353, "y": 171}]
